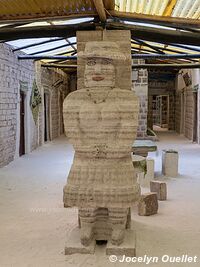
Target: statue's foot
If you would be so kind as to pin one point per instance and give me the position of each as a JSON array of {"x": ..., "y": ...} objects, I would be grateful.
[
  {"x": 86, "y": 235},
  {"x": 117, "y": 236}
]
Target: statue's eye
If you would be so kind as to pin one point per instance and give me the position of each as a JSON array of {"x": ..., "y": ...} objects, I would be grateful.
[
  {"x": 91, "y": 62},
  {"x": 106, "y": 61}
]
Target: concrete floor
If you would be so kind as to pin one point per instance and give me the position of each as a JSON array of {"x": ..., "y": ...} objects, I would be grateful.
[{"x": 34, "y": 223}]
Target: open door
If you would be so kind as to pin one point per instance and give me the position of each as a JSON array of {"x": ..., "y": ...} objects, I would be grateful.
[{"x": 22, "y": 125}]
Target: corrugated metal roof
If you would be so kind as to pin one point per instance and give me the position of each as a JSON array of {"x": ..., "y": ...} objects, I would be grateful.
[
  {"x": 19, "y": 9},
  {"x": 145, "y": 13},
  {"x": 173, "y": 8}
]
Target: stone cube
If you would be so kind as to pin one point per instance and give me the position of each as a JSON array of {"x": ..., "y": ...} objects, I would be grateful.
[
  {"x": 148, "y": 204},
  {"x": 160, "y": 188},
  {"x": 170, "y": 163}
]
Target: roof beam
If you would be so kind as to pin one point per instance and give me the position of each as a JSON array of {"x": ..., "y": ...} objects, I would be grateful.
[
  {"x": 165, "y": 56},
  {"x": 137, "y": 56},
  {"x": 51, "y": 49},
  {"x": 166, "y": 66},
  {"x": 161, "y": 20},
  {"x": 25, "y": 57},
  {"x": 58, "y": 66},
  {"x": 37, "y": 18},
  {"x": 39, "y": 43},
  {"x": 148, "y": 45},
  {"x": 45, "y": 31},
  {"x": 152, "y": 34},
  {"x": 99, "y": 5}
]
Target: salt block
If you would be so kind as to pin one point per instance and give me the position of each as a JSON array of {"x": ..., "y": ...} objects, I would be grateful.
[
  {"x": 73, "y": 244},
  {"x": 150, "y": 168},
  {"x": 127, "y": 248},
  {"x": 148, "y": 204},
  {"x": 160, "y": 188},
  {"x": 139, "y": 163},
  {"x": 145, "y": 178},
  {"x": 170, "y": 163}
]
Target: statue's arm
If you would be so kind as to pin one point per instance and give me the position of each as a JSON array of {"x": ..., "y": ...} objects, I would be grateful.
[
  {"x": 71, "y": 108},
  {"x": 128, "y": 121}
]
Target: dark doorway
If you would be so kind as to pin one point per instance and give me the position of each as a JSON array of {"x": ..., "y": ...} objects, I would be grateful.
[
  {"x": 195, "y": 95},
  {"x": 46, "y": 118},
  {"x": 22, "y": 125}
]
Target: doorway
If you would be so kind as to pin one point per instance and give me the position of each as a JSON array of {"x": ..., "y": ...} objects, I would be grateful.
[
  {"x": 22, "y": 124},
  {"x": 161, "y": 112},
  {"x": 46, "y": 117}
]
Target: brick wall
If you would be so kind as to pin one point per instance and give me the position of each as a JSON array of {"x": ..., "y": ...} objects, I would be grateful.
[
  {"x": 189, "y": 114},
  {"x": 185, "y": 107},
  {"x": 178, "y": 112},
  {"x": 18, "y": 75},
  {"x": 12, "y": 72}
]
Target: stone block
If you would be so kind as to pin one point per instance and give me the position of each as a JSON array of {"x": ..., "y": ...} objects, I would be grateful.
[
  {"x": 148, "y": 204},
  {"x": 127, "y": 248},
  {"x": 144, "y": 180},
  {"x": 160, "y": 188},
  {"x": 170, "y": 163},
  {"x": 73, "y": 244}
]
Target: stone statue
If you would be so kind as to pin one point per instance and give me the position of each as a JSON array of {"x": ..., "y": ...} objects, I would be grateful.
[{"x": 101, "y": 122}]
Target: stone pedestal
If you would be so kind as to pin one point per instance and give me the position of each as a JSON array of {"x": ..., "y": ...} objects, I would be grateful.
[
  {"x": 73, "y": 244},
  {"x": 148, "y": 204},
  {"x": 170, "y": 163},
  {"x": 160, "y": 188},
  {"x": 127, "y": 248}
]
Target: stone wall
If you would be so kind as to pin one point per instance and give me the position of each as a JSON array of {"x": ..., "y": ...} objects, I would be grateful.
[
  {"x": 189, "y": 105},
  {"x": 178, "y": 112},
  {"x": 12, "y": 72},
  {"x": 185, "y": 105},
  {"x": 140, "y": 87},
  {"x": 16, "y": 76}
]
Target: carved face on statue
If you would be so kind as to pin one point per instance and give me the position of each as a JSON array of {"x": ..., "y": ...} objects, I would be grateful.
[{"x": 99, "y": 72}]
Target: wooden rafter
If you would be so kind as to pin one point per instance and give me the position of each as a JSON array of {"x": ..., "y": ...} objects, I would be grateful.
[
  {"x": 99, "y": 5},
  {"x": 109, "y": 4},
  {"x": 169, "y": 8},
  {"x": 30, "y": 19}
]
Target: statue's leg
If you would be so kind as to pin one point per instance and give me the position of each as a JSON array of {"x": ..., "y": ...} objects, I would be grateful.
[
  {"x": 86, "y": 221},
  {"x": 118, "y": 219},
  {"x": 128, "y": 223}
]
